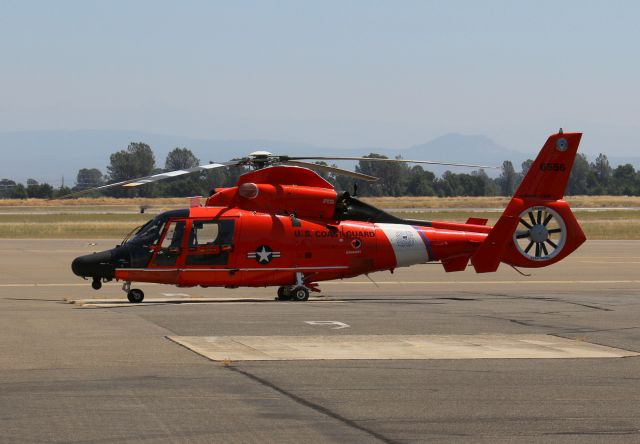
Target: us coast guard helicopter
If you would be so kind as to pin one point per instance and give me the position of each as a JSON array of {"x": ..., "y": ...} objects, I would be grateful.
[{"x": 283, "y": 225}]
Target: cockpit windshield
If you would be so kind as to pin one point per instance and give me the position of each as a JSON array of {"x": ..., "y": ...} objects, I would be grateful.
[{"x": 149, "y": 233}]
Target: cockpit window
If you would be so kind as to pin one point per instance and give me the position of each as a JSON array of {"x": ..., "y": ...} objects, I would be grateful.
[
  {"x": 150, "y": 232},
  {"x": 173, "y": 236}
]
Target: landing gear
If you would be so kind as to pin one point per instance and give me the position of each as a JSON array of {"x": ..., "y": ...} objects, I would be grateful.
[
  {"x": 299, "y": 292},
  {"x": 96, "y": 284},
  {"x": 134, "y": 295},
  {"x": 293, "y": 294}
]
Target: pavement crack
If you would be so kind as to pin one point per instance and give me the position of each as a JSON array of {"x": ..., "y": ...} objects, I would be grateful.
[
  {"x": 533, "y": 324},
  {"x": 541, "y": 298},
  {"x": 312, "y": 405}
]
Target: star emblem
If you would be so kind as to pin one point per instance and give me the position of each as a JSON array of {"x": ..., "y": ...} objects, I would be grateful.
[{"x": 263, "y": 254}]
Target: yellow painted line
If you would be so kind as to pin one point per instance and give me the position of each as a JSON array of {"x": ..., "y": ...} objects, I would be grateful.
[
  {"x": 606, "y": 257},
  {"x": 43, "y": 285},
  {"x": 115, "y": 284},
  {"x": 610, "y": 262}
]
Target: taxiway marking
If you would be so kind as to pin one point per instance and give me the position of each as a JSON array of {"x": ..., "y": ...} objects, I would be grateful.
[
  {"x": 374, "y": 347},
  {"x": 337, "y": 324}
]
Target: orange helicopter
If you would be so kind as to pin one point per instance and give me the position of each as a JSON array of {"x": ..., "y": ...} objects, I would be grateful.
[{"x": 283, "y": 225}]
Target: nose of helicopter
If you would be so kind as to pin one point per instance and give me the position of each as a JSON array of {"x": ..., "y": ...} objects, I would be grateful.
[{"x": 95, "y": 265}]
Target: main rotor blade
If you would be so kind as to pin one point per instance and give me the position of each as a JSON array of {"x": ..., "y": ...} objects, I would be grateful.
[
  {"x": 153, "y": 178},
  {"x": 329, "y": 169},
  {"x": 170, "y": 174},
  {"x": 377, "y": 159}
]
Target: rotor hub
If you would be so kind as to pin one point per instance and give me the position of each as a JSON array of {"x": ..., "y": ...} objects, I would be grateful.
[
  {"x": 260, "y": 155},
  {"x": 539, "y": 233}
]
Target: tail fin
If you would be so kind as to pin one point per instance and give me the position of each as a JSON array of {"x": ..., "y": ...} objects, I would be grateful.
[{"x": 537, "y": 228}]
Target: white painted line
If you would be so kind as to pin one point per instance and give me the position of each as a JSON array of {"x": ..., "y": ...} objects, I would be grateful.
[
  {"x": 291, "y": 348},
  {"x": 116, "y": 303},
  {"x": 337, "y": 325}
]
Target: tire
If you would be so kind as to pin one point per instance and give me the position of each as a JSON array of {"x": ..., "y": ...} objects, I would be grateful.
[
  {"x": 96, "y": 284},
  {"x": 284, "y": 294},
  {"x": 300, "y": 294},
  {"x": 135, "y": 296}
]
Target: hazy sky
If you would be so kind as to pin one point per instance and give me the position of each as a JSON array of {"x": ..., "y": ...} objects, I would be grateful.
[{"x": 340, "y": 73}]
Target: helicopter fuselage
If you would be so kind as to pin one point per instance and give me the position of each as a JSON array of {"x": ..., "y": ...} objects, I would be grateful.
[{"x": 286, "y": 226}]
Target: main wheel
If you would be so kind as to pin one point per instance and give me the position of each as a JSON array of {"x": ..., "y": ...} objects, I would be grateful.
[
  {"x": 135, "y": 296},
  {"x": 300, "y": 294},
  {"x": 96, "y": 284},
  {"x": 284, "y": 294}
]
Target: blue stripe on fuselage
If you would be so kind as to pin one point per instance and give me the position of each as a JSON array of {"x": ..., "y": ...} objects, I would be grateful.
[{"x": 426, "y": 242}]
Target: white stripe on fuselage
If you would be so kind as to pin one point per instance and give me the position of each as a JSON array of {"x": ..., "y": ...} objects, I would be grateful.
[{"x": 407, "y": 244}]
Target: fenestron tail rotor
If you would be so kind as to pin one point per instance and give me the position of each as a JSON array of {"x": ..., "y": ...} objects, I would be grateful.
[{"x": 541, "y": 233}]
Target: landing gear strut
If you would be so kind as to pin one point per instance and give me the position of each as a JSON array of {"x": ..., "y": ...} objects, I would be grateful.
[{"x": 134, "y": 295}]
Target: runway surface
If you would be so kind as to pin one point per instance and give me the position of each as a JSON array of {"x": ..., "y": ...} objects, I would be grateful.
[{"x": 102, "y": 370}]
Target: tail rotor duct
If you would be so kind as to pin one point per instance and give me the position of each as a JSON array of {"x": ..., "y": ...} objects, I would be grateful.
[{"x": 541, "y": 233}]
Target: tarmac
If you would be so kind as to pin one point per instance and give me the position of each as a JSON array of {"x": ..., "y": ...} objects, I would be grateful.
[{"x": 416, "y": 356}]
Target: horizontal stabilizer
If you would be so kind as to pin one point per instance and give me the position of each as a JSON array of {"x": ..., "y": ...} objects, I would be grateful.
[{"x": 455, "y": 264}]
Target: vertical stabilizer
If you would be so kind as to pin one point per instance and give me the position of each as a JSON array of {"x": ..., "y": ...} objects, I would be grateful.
[{"x": 537, "y": 228}]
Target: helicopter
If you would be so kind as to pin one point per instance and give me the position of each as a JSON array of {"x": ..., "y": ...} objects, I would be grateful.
[{"x": 282, "y": 225}]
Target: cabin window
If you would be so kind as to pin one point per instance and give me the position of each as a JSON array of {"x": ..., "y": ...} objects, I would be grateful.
[{"x": 210, "y": 242}]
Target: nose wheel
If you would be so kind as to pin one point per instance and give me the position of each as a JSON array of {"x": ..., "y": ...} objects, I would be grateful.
[{"x": 134, "y": 295}]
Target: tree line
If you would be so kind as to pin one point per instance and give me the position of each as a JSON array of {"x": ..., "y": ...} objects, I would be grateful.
[{"x": 396, "y": 179}]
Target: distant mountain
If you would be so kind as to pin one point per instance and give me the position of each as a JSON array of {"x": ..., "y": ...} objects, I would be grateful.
[
  {"x": 50, "y": 155},
  {"x": 461, "y": 148}
]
